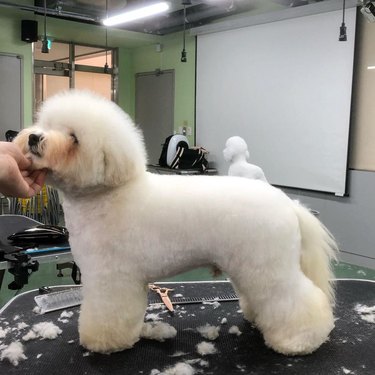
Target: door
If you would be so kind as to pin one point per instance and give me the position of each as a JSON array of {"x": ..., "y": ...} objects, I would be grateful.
[
  {"x": 154, "y": 109},
  {"x": 11, "y": 109}
]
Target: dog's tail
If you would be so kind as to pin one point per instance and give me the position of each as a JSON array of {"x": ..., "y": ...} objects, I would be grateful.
[{"x": 318, "y": 250}]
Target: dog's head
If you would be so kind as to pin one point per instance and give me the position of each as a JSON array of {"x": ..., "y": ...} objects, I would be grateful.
[
  {"x": 235, "y": 146},
  {"x": 85, "y": 142}
]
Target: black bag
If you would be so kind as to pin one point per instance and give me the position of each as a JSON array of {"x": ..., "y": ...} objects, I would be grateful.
[
  {"x": 185, "y": 157},
  {"x": 190, "y": 158},
  {"x": 164, "y": 151}
]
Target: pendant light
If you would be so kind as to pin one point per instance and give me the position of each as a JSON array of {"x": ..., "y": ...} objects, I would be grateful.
[
  {"x": 342, "y": 36},
  {"x": 45, "y": 40},
  {"x": 183, "y": 53},
  {"x": 106, "y": 39}
]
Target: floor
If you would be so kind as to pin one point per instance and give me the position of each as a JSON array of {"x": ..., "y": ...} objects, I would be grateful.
[{"x": 47, "y": 276}]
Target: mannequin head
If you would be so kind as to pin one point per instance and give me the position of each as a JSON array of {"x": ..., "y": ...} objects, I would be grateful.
[{"x": 235, "y": 147}]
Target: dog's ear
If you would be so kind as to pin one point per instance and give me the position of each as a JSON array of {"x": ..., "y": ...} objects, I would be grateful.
[{"x": 117, "y": 169}]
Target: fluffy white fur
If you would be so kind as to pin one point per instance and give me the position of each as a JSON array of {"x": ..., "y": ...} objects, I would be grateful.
[
  {"x": 237, "y": 154},
  {"x": 129, "y": 227}
]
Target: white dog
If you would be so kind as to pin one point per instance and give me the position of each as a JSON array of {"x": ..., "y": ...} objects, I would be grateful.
[
  {"x": 237, "y": 154},
  {"x": 129, "y": 227}
]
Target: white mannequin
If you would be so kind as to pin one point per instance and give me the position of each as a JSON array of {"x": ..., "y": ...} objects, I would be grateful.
[{"x": 237, "y": 154}]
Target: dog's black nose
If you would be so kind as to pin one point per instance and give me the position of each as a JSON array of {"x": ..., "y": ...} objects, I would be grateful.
[{"x": 34, "y": 139}]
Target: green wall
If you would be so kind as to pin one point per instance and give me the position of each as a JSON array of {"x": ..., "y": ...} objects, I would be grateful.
[
  {"x": 147, "y": 59},
  {"x": 137, "y": 53}
]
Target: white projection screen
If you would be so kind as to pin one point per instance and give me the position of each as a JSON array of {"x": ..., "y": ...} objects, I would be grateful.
[{"x": 285, "y": 87}]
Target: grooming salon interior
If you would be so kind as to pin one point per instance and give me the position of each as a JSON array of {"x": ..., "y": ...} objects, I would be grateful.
[
  {"x": 143, "y": 68},
  {"x": 295, "y": 80}
]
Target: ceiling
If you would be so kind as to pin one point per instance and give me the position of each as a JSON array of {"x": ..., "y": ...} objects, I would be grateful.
[{"x": 198, "y": 12}]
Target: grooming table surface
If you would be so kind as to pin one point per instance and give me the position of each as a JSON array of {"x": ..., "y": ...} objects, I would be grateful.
[{"x": 350, "y": 349}]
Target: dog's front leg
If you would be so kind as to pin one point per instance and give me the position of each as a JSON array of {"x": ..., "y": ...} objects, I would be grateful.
[{"x": 112, "y": 314}]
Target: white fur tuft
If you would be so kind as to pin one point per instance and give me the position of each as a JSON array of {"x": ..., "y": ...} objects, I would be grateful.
[{"x": 318, "y": 250}]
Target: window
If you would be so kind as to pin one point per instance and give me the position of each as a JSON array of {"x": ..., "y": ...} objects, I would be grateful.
[{"x": 69, "y": 65}]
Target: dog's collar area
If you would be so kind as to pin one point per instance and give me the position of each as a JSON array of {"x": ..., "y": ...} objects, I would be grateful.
[{"x": 75, "y": 192}]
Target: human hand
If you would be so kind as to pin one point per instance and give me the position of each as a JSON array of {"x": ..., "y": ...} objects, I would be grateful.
[{"x": 16, "y": 178}]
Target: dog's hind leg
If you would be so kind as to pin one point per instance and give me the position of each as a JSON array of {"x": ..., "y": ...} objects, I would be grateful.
[
  {"x": 245, "y": 304},
  {"x": 112, "y": 315},
  {"x": 293, "y": 314}
]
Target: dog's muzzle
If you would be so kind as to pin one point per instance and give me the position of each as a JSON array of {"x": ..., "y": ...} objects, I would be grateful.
[{"x": 34, "y": 143}]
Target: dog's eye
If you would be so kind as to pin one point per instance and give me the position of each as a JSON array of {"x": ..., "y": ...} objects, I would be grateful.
[{"x": 75, "y": 139}]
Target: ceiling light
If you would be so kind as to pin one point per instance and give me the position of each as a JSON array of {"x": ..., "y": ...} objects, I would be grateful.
[
  {"x": 106, "y": 40},
  {"x": 45, "y": 40},
  {"x": 342, "y": 36},
  {"x": 136, "y": 14},
  {"x": 183, "y": 53}
]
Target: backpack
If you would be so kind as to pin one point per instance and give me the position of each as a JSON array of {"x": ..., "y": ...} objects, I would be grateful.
[
  {"x": 190, "y": 158},
  {"x": 164, "y": 152},
  {"x": 185, "y": 157}
]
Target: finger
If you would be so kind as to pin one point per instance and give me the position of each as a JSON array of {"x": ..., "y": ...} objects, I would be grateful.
[
  {"x": 13, "y": 150},
  {"x": 34, "y": 189},
  {"x": 25, "y": 173},
  {"x": 19, "y": 188},
  {"x": 38, "y": 176},
  {"x": 41, "y": 177},
  {"x": 22, "y": 161},
  {"x": 36, "y": 181}
]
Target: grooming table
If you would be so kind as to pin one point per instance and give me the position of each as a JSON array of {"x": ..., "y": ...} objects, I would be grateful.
[{"x": 350, "y": 349}]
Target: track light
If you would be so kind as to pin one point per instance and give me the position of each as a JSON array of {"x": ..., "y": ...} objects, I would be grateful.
[
  {"x": 45, "y": 40},
  {"x": 45, "y": 46},
  {"x": 342, "y": 36},
  {"x": 106, "y": 40},
  {"x": 183, "y": 52},
  {"x": 183, "y": 56},
  {"x": 137, "y": 14}
]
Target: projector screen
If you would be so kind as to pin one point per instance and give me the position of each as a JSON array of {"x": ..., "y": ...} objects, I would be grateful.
[{"x": 285, "y": 87}]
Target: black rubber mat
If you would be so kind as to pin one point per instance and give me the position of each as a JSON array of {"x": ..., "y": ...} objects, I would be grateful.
[{"x": 350, "y": 349}]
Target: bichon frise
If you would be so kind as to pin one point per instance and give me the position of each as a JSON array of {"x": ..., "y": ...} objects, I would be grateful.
[{"x": 129, "y": 227}]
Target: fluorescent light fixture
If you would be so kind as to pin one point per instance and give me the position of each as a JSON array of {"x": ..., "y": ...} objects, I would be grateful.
[
  {"x": 137, "y": 14},
  {"x": 371, "y": 67}
]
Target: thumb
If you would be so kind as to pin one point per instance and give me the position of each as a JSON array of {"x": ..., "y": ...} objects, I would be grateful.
[
  {"x": 23, "y": 162},
  {"x": 19, "y": 157}
]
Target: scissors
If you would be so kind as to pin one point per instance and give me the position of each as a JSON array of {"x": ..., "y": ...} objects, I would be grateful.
[{"x": 163, "y": 293}]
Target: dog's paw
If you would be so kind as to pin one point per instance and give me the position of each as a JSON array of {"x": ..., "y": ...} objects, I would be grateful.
[
  {"x": 303, "y": 333},
  {"x": 106, "y": 343},
  {"x": 300, "y": 343},
  {"x": 108, "y": 336}
]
